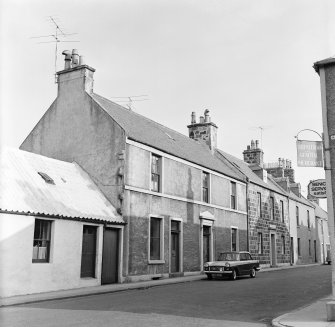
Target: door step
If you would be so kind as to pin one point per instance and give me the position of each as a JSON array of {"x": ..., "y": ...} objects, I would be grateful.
[{"x": 176, "y": 274}]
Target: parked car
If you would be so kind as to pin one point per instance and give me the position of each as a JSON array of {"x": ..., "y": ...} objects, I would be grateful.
[{"x": 232, "y": 264}]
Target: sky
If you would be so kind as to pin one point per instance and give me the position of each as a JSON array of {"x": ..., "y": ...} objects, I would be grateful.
[{"x": 247, "y": 61}]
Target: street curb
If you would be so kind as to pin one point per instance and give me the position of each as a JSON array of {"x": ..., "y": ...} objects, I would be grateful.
[{"x": 96, "y": 290}]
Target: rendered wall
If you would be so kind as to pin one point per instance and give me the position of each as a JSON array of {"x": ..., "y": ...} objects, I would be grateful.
[{"x": 19, "y": 275}]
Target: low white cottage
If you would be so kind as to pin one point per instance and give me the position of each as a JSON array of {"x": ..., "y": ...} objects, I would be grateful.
[{"x": 57, "y": 230}]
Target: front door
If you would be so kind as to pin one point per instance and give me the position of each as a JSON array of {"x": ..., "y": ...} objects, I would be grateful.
[
  {"x": 273, "y": 249},
  {"x": 110, "y": 256},
  {"x": 292, "y": 251},
  {"x": 175, "y": 249},
  {"x": 315, "y": 256},
  {"x": 206, "y": 243},
  {"x": 88, "y": 253}
]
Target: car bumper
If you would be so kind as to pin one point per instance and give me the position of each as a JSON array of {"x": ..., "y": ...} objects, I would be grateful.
[{"x": 224, "y": 272}]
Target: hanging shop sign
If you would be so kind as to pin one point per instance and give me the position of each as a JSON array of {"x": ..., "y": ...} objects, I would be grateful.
[
  {"x": 317, "y": 188},
  {"x": 309, "y": 153}
]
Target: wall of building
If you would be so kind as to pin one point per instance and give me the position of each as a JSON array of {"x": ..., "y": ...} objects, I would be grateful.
[
  {"x": 267, "y": 226},
  {"x": 304, "y": 233},
  {"x": 19, "y": 275}
]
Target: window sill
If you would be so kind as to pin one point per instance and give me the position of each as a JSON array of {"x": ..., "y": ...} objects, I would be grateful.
[{"x": 156, "y": 262}]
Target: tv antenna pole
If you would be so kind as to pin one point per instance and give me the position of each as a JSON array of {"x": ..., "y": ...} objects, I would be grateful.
[
  {"x": 130, "y": 99},
  {"x": 261, "y": 128},
  {"x": 57, "y": 37}
]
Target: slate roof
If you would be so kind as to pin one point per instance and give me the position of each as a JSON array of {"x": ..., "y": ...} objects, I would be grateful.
[
  {"x": 73, "y": 194},
  {"x": 301, "y": 199},
  {"x": 153, "y": 134},
  {"x": 253, "y": 178},
  {"x": 319, "y": 212}
]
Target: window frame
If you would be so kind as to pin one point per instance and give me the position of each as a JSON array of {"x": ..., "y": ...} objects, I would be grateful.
[
  {"x": 272, "y": 208},
  {"x": 160, "y": 260},
  {"x": 47, "y": 240},
  {"x": 157, "y": 173},
  {"x": 259, "y": 205},
  {"x": 308, "y": 220},
  {"x": 283, "y": 244},
  {"x": 233, "y": 195},
  {"x": 297, "y": 216},
  {"x": 282, "y": 212},
  {"x": 207, "y": 187},
  {"x": 260, "y": 243}
]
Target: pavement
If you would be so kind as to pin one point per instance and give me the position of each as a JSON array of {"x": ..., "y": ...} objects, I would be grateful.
[{"x": 313, "y": 315}]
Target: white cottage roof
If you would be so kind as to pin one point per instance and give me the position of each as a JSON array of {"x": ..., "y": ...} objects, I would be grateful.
[{"x": 34, "y": 184}]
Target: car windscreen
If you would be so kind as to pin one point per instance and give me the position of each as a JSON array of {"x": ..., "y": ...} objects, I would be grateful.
[{"x": 228, "y": 257}]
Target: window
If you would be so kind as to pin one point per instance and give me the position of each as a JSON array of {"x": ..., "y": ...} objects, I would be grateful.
[
  {"x": 283, "y": 244},
  {"x": 233, "y": 195},
  {"x": 155, "y": 238},
  {"x": 282, "y": 211},
  {"x": 299, "y": 249},
  {"x": 308, "y": 220},
  {"x": 259, "y": 204},
  {"x": 205, "y": 187},
  {"x": 260, "y": 243},
  {"x": 41, "y": 244},
  {"x": 297, "y": 214},
  {"x": 234, "y": 239},
  {"x": 272, "y": 208},
  {"x": 156, "y": 162}
]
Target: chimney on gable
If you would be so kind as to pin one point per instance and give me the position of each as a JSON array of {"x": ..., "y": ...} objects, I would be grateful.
[
  {"x": 204, "y": 131},
  {"x": 76, "y": 76},
  {"x": 253, "y": 154}
]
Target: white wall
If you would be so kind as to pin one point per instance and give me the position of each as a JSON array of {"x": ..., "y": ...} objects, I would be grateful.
[{"x": 18, "y": 275}]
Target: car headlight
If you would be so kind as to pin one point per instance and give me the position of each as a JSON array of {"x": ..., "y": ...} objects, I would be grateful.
[{"x": 227, "y": 264}]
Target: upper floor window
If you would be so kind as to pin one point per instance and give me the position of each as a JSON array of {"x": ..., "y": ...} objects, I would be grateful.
[
  {"x": 205, "y": 187},
  {"x": 42, "y": 238},
  {"x": 233, "y": 195},
  {"x": 272, "y": 208},
  {"x": 282, "y": 216},
  {"x": 259, "y": 204},
  {"x": 156, "y": 167},
  {"x": 297, "y": 215},
  {"x": 308, "y": 220}
]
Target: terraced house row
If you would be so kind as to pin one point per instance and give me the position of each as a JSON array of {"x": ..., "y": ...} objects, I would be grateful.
[{"x": 177, "y": 200}]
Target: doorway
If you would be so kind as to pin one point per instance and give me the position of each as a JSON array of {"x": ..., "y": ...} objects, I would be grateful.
[
  {"x": 110, "y": 256},
  {"x": 206, "y": 234},
  {"x": 175, "y": 246},
  {"x": 292, "y": 251}
]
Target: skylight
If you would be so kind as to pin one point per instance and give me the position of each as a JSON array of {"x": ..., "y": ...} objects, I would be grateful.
[{"x": 46, "y": 178}]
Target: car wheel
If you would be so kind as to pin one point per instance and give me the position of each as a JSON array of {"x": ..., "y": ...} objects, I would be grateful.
[
  {"x": 233, "y": 275},
  {"x": 209, "y": 276},
  {"x": 253, "y": 273}
]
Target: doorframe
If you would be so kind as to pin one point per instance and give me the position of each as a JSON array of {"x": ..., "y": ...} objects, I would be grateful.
[
  {"x": 273, "y": 264},
  {"x": 120, "y": 251},
  {"x": 205, "y": 222},
  {"x": 181, "y": 244}
]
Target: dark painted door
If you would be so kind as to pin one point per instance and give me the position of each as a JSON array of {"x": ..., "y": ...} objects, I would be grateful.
[
  {"x": 175, "y": 253},
  {"x": 88, "y": 254},
  {"x": 206, "y": 241},
  {"x": 110, "y": 256}
]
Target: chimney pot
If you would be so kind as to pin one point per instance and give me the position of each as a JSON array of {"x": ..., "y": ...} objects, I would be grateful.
[
  {"x": 207, "y": 117},
  {"x": 193, "y": 118},
  {"x": 248, "y": 147},
  {"x": 257, "y": 144},
  {"x": 202, "y": 119},
  {"x": 75, "y": 58},
  {"x": 67, "y": 58},
  {"x": 252, "y": 145},
  {"x": 81, "y": 60}
]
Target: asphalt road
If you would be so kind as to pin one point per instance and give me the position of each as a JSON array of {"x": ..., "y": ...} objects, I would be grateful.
[{"x": 246, "y": 302}]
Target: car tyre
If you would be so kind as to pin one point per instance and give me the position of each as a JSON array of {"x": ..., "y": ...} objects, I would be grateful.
[
  {"x": 209, "y": 276},
  {"x": 233, "y": 275},
  {"x": 253, "y": 273}
]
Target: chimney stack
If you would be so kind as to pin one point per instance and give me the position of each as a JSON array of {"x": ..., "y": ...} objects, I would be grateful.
[
  {"x": 253, "y": 154},
  {"x": 76, "y": 75},
  {"x": 204, "y": 131}
]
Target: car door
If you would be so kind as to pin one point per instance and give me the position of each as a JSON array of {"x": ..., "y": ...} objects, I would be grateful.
[{"x": 243, "y": 264}]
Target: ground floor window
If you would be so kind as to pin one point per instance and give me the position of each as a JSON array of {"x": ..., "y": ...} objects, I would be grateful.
[
  {"x": 88, "y": 255},
  {"x": 42, "y": 238},
  {"x": 283, "y": 244},
  {"x": 156, "y": 238},
  {"x": 299, "y": 249},
  {"x": 260, "y": 243},
  {"x": 234, "y": 246}
]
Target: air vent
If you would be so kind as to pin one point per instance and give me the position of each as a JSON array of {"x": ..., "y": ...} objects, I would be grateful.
[{"x": 46, "y": 178}]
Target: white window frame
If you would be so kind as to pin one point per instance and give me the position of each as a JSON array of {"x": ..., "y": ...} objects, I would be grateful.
[
  {"x": 181, "y": 242},
  {"x": 208, "y": 188},
  {"x": 50, "y": 257},
  {"x": 237, "y": 238},
  {"x": 161, "y": 254},
  {"x": 235, "y": 195},
  {"x": 161, "y": 186}
]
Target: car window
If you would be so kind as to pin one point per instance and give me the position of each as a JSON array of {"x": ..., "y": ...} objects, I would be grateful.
[
  {"x": 243, "y": 256},
  {"x": 228, "y": 256}
]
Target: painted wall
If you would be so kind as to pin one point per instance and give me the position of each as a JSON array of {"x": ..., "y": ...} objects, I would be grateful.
[
  {"x": 304, "y": 233},
  {"x": 19, "y": 275},
  {"x": 266, "y": 226}
]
